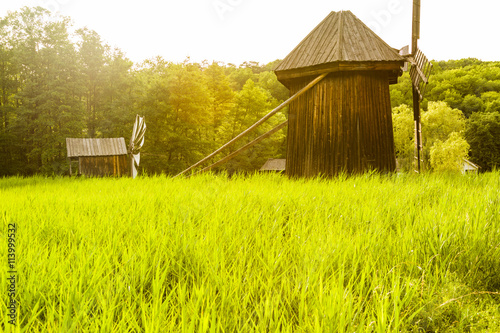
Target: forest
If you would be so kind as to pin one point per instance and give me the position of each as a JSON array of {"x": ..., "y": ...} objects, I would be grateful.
[{"x": 59, "y": 81}]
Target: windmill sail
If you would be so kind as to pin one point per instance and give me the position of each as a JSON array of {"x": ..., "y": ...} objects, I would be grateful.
[
  {"x": 420, "y": 71},
  {"x": 136, "y": 143}
]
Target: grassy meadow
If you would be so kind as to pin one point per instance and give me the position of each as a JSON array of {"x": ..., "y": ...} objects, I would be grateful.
[{"x": 373, "y": 253}]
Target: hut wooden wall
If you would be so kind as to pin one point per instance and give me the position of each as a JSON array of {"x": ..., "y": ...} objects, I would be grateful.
[
  {"x": 103, "y": 166},
  {"x": 343, "y": 124}
]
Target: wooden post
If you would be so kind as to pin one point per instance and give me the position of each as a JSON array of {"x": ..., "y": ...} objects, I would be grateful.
[
  {"x": 131, "y": 173},
  {"x": 416, "y": 96},
  {"x": 418, "y": 134},
  {"x": 415, "y": 36}
]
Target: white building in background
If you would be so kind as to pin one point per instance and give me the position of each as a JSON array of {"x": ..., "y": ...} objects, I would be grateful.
[{"x": 469, "y": 167}]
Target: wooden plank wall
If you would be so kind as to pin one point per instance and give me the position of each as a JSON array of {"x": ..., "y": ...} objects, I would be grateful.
[
  {"x": 343, "y": 124},
  {"x": 104, "y": 166}
]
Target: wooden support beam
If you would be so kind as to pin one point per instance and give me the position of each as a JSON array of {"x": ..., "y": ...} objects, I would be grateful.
[
  {"x": 257, "y": 124},
  {"x": 415, "y": 36}
]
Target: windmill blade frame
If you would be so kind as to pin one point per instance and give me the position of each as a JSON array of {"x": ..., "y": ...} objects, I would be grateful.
[{"x": 136, "y": 143}]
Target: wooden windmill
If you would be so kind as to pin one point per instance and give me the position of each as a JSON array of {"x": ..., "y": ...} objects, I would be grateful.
[
  {"x": 340, "y": 117},
  {"x": 344, "y": 123}
]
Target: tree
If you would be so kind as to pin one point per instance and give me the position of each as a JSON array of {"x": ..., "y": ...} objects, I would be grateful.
[
  {"x": 49, "y": 109},
  {"x": 401, "y": 93},
  {"x": 221, "y": 99},
  {"x": 22, "y": 33},
  {"x": 269, "y": 82},
  {"x": 251, "y": 104},
  {"x": 118, "y": 94},
  {"x": 91, "y": 61},
  {"x": 438, "y": 124},
  {"x": 470, "y": 104},
  {"x": 483, "y": 133},
  {"x": 493, "y": 106},
  {"x": 107, "y": 87},
  {"x": 450, "y": 154},
  {"x": 240, "y": 76},
  {"x": 440, "y": 121},
  {"x": 152, "y": 99},
  {"x": 452, "y": 98},
  {"x": 10, "y": 154},
  {"x": 175, "y": 101},
  {"x": 404, "y": 135}
]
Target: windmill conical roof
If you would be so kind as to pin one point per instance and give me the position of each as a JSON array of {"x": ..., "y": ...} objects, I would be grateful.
[{"x": 340, "y": 38}]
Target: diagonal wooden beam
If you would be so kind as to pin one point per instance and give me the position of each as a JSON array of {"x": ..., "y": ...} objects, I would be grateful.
[
  {"x": 245, "y": 147},
  {"x": 257, "y": 124}
]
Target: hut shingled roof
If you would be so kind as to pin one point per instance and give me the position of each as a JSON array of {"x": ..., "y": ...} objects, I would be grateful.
[
  {"x": 274, "y": 165},
  {"x": 340, "y": 42},
  {"x": 95, "y": 147}
]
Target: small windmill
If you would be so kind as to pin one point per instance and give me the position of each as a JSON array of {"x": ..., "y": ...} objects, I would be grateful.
[
  {"x": 420, "y": 71},
  {"x": 136, "y": 143}
]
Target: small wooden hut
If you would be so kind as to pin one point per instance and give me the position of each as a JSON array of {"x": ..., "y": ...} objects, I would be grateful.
[
  {"x": 343, "y": 123},
  {"x": 274, "y": 165},
  {"x": 98, "y": 157},
  {"x": 469, "y": 167}
]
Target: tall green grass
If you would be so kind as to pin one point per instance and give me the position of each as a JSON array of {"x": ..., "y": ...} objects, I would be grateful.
[{"x": 373, "y": 253}]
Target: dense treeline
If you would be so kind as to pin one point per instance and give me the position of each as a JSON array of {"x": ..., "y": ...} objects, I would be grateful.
[
  {"x": 57, "y": 82},
  {"x": 468, "y": 92}
]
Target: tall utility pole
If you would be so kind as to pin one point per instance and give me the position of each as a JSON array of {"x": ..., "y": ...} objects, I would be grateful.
[{"x": 416, "y": 95}]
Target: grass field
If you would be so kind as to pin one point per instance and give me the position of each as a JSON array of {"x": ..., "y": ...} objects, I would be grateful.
[{"x": 399, "y": 253}]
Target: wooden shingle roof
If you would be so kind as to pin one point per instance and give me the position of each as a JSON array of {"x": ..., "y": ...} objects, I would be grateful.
[
  {"x": 340, "y": 42},
  {"x": 95, "y": 147}
]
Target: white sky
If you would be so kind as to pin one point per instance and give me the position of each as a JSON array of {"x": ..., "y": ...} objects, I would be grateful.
[{"x": 234, "y": 31}]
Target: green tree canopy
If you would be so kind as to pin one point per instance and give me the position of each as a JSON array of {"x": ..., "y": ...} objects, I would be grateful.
[
  {"x": 450, "y": 154},
  {"x": 404, "y": 135},
  {"x": 439, "y": 121},
  {"x": 483, "y": 134},
  {"x": 56, "y": 83}
]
